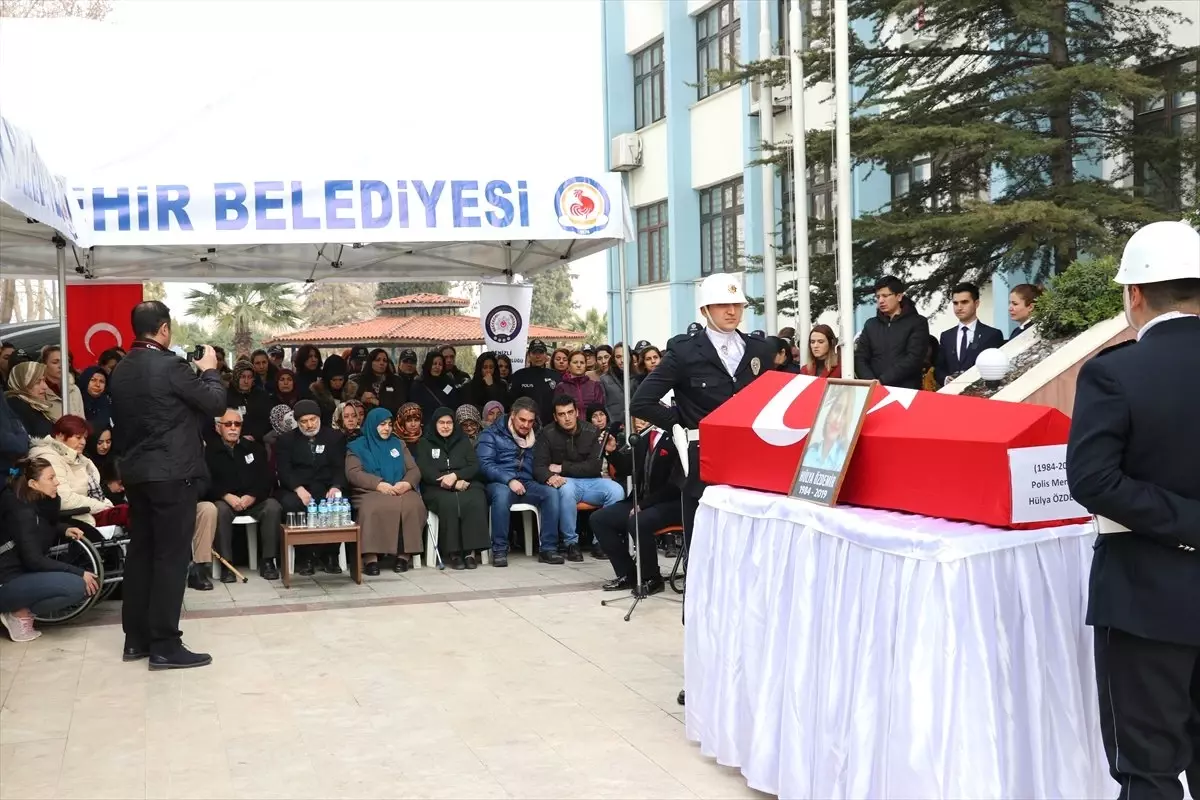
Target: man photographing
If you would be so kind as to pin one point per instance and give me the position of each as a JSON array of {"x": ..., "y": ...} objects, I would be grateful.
[{"x": 160, "y": 406}]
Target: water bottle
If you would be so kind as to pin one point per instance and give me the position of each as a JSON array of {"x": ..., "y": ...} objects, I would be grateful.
[
  {"x": 346, "y": 512},
  {"x": 323, "y": 514},
  {"x": 312, "y": 513}
]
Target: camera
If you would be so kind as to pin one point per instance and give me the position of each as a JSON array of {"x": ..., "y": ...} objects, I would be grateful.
[{"x": 196, "y": 353}]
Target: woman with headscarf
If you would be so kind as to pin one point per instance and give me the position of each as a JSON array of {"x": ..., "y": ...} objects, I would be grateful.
[
  {"x": 252, "y": 403},
  {"x": 27, "y": 398},
  {"x": 97, "y": 405},
  {"x": 285, "y": 388},
  {"x": 307, "y": 364},
  {"x": 282, "y": 421},
  {"x": 327, "y": 391},
  {"x": 434, "y": 388},
  {"x": 468, "y": 420},
  {"x": 380, "y": 380},
  {"x": 485, "y": 385},
  {"x": 493, "y": 411},
  {"x": 409, "y": 424},
  {"x": 348, "y": 418},
  {"x": 449, "y": 469},
  {"x": 383, "y": 481}
]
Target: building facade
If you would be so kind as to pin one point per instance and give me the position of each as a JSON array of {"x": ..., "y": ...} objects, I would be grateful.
[{"x": 697, "y": 203}]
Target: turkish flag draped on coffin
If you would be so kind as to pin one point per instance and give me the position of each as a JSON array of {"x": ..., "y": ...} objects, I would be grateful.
[
  {"x": 922, "y": 452},
  {"x": 98, "y": 318}
]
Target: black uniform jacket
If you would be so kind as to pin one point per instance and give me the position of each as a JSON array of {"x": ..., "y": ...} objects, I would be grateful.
[
  {"x": 1134, "y": 458},
  {"x": 694, "y": 371},
  {"x": 652, "y": 469}
]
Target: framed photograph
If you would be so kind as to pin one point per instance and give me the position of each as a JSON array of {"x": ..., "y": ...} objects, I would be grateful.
[{"x": 831, "y": 442}]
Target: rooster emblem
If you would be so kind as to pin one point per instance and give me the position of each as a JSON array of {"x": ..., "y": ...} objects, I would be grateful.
[{"x": 583, "y": 205}]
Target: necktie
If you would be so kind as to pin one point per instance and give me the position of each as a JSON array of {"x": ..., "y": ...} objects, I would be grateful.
[
  {"x": 962, "y": 346},
  {"x": 653, "y": 440}
]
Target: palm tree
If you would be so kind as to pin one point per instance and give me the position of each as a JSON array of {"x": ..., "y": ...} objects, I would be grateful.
[
  {"x": 239, "y": 310},
  {"x": 593, "y": 323}
]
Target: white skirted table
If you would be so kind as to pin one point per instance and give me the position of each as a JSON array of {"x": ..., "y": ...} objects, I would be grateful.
[{"x": 854, "y": 653}]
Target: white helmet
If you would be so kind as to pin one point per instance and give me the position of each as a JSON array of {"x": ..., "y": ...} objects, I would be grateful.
[
  {"x": 720, "y": 289},
  {"x": 1160, "y": 251}
]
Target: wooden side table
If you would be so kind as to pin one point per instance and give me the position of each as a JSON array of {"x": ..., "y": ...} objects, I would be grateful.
[{"x": 346, "y": 534}]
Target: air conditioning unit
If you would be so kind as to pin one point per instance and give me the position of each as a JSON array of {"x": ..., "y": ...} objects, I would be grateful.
[
  {"x": 916, "y": 38},
  {"x": 781, "y": 97},
  {"x": 626, "y": 152}
]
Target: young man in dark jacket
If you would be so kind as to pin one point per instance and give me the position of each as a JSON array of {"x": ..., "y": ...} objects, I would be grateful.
[
  {"x": 567, "y": 459},
  {"x": 241, "y": 486},
  {"x": 311, "y": 462},
  {"x": 652, "y": 459},
  {"x": 891, "y": 348},
  {"x": 159, "y": 407}
]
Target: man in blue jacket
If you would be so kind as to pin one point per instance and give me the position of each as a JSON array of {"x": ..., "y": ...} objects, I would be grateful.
[{"x": 505, "y": 453}]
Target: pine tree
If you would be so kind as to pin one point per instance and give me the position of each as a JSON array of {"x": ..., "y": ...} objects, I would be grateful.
[
  {"x": 338, "y": 303},
  {"x": 1014, "y": 102},
  {"x": 552, "y": 304}
]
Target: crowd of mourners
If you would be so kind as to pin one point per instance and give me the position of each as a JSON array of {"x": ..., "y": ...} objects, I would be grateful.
[{"x": 401, "y": 439}]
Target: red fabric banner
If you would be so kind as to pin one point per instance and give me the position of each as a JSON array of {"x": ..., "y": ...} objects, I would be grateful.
[
  {"x": 98, "y": 318},
  {"x": 921, "y": 452}
]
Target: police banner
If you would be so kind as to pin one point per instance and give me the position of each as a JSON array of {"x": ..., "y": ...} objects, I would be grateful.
[
  {"x": 385, "y": 206},
  {"x": 504, "y": 310}
]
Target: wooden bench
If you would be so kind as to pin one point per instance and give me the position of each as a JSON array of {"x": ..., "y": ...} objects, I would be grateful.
[{"x": 294, "y": 537}]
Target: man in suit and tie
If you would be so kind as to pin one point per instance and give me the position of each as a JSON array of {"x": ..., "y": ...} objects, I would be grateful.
[
  {"x": 961, "y": 344},
  {"x": 655, "y": 505},
  {"x": 1133, "y": 460}
]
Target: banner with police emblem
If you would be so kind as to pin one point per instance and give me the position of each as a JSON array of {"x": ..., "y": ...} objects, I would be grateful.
[{"x": 504, "y": 310}]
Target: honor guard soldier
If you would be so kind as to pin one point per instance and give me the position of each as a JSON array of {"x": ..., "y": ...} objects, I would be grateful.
[{"x": 1134, "y": 462}]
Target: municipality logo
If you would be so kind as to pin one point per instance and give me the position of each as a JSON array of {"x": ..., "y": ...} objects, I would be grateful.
[
  {"x": 582, "y": 206},
  {"x": 503, "y": 324}
]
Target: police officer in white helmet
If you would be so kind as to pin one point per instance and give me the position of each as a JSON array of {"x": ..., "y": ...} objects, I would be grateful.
[
  {"x": 703, "y": 370},
  {"x": 1134, "y": 461}
]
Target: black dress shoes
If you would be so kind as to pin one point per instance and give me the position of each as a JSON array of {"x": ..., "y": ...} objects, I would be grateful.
[
  {"x": 198, "y": 578},
  {"x": 134, "y": 652},
  {"x": 456, "y": 562},
  {"x": 650, "y": 586},
  {"x": 573, "y": 553},
  {"x": 469, "y": 561},
  {"x": 306, "y": 567},
  {"x": 270, "y": 570},
  {"x": 401, "y": 565},
  {"x": 182, "y": 658},
  {"x": 598, "y": 553},
  {"x": 331, "y": 565},
  {"x": 621, "y": 584},
  {"x": 548, "y": 557},
  {"x": 371, "y": 570},
  {"x": 227, "y": 575}
]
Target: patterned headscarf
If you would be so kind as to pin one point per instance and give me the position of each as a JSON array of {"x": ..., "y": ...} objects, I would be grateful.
[
  {"x": 406, "y": 414},
  {"x": 468, "y": 413},
  {"x": 21, "y": 379},
  {"x": 282, "y": 419}
]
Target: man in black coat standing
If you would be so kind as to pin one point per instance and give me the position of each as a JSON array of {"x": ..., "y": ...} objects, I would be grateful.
[
  {"x": 1134, "y": 461},
  {"x": 893, "y": 343},
  {"x": 159, "y": 407},
  {"x": 962, "y": 344}
]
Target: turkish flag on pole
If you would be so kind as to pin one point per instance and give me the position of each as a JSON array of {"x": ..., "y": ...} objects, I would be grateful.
[{"x": 98, "y": 318}]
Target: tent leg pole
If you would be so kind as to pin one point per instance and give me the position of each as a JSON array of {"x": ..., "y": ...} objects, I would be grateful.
[
  {"x": 625, "y": 338},
  {"x": 60, "y": 245}
]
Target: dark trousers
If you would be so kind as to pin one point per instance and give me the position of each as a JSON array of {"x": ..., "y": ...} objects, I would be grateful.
[
  {"x": 613, "y": 525},
  {"x": 291, "y": 504},
  {"x": 162, "y": 521},
  {"x": 268, "y": 513},
  {"x": 1149, "y": 713}
]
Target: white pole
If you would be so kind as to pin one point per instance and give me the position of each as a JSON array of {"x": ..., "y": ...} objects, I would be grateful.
[
  {"x": 625, "y": 337},
  {"x": 65, "y": 381},
  {"x": 766, "y": 116},
  {"x": 800, "y": 183},
  {"x": 845, "y": 252}
]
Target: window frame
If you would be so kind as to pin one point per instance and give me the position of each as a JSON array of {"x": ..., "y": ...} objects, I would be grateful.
[
  {"x": 729, "y": 218},
  {"x": 1167, "y": 114},
  {"x": 813, "y": 10},
  {"x": 649, "y": 78},
  {"x": 718, "y": 44},
  {"x": 654, "y": 259},
  {"x": 822, "y": 195}
]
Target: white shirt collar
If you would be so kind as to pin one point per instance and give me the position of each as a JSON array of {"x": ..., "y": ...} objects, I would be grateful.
[
  {"x": 970, "y": 326},
  {"x": 1170, "y": 315},
  {"x": 729, "y": 347}
]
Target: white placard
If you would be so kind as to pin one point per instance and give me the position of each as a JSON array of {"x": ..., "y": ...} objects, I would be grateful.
[
  {"x": 504, "y": 311},
  {"x": 1039, "y": 485}
]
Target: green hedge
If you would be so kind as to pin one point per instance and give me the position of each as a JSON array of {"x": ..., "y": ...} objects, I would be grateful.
[{"x": 1079, "y": 297}]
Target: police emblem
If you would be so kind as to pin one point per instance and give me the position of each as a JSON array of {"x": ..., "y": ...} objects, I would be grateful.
[
  {"x": 755, "y": 365},
  {"x": 503, "y": 324},
  {"x": 582, "y": 206}
]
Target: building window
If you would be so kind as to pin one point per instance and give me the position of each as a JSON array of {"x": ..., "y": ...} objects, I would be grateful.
[
  {"x": 786, "y": 207},
  {"x": 718, "y": 42},
  {"x": 815, "y": 15},
  {"x": 649, "y": 85},
  {"x": 1158, "y": 175},
  {"x": 722, "y": 228},
  {"x": 652, "y": 243},
  {"x": 822, "y": 199},
  {"x": 966, "y": 184}
]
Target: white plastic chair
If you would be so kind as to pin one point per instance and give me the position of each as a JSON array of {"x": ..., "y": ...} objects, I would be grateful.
[
  {"x": 251, "y": 542},
  {"x": 532, "y": 524},
  {"x": 431, "y": 543}
]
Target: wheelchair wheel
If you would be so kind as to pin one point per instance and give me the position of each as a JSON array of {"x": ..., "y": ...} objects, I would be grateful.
[
  {"x": 79, "y": 553},
  {"x": 112, "y": 557},
  {"x": 678, "y": 577}
]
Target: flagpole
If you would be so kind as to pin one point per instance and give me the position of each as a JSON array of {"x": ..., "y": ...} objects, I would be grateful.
[
  {"x": 845, "y": 188},
  {"x": 766, "y": 116},
  {"x": 800, "y": 184}
]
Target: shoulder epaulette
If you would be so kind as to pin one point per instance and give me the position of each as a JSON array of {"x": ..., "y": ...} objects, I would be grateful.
[{"x": 1117, "y": 346}]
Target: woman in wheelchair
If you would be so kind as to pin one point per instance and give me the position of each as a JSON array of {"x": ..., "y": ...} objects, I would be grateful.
[{"x": 33, "y": 583}]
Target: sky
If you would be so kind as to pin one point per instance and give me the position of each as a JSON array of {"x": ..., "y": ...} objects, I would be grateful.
[{"x": 532, "y": 67}]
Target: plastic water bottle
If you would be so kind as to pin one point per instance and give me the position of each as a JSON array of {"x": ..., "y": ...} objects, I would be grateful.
[
  {"x": 346, "y": 522},
  {"x": 312, "y": 513},
  {"x": 323, "y": 514}
]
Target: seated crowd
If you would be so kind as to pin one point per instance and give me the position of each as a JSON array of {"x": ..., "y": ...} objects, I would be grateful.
[{"x": 402, "y": 440}]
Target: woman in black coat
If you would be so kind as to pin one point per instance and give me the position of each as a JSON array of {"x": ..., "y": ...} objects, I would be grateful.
[
  {"x": 379, "y": 377},
  {"x": 434, "y": 389},
  {"x": 30, "y": 581},
  {"x": 451, "y": 488},
  {"x": 486, "y": 384},
  {"x": 27, "y": 398}
]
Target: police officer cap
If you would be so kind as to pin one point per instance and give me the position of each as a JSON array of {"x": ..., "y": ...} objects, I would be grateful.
[
  {"x": 694, "y": 328},
  {"x": 359, "y": 353},
  {"x": 759, "y": 334},
  {"x": 587, "y": 348},
  {"x": 641, "y": 345},
  {"x": 537, "y": 346},
  {"x": 408, "y": 355},
  {"x": 1160, "y": 251},
  {"x": 275, "y": 350}
]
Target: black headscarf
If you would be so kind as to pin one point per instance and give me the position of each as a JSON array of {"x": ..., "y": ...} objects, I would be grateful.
[
  {"x": 334, "y": 367},
  {"x": 437, "y": 440}
]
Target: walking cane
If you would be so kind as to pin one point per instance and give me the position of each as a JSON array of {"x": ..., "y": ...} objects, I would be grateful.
[{"x": 230, "y": 567}]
